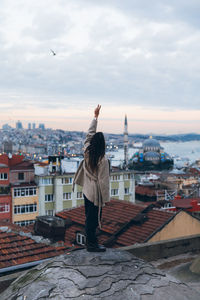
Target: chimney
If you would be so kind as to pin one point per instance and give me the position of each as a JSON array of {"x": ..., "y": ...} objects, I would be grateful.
[
  {"x": 50, "y": 227},
  {"x": 194, "y": 204}
]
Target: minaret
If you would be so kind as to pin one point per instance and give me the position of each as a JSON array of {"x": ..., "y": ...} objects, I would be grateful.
[{"x": 125, "y": 143}]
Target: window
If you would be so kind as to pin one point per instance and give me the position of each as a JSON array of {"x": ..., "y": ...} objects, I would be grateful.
[
  {"x": 67, "y": 180},
  {"x": 47, "y": 181},
  {"x": 4, "y": 190},
  {"x": 126, "y": 191},
  {"x": 114, "y": 192},
  {"x": 25, "y": 209},
  {"x": 67, "y": 196},
  {"x": 127, "y": 176},
  {"x": 4, "y": 208},
  {"x": 167, "y": 205},
  {"x": 3, "y": 176},
  {"x": 25, "y": 223},
  {"x": 49, "y": 198},
  {"x": 79, "y": 195},
  {"x": 49, "y": 212},
  {"x": 115, "y": 177},
  {"x": 80, "y": 238},
  {"x": 24, "y": 192},
  {"x": 20, "y": 176}
]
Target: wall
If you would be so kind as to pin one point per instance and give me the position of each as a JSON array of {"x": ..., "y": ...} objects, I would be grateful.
[
  {"x": 4, "y": 170},
  {"x": 183, "y": 224},
  {"x": 28, "y": 176},
  {"x": 6, "y": 199},
  {"x": 164, "y": 249}
]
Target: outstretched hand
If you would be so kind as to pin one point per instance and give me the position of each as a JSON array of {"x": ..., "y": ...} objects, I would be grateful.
[{"x": 97, "y": 110}]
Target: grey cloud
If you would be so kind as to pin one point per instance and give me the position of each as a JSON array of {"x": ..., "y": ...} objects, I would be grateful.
[
  {"x": 151, "y": 68},
  {"x": 47, "y": 26}
]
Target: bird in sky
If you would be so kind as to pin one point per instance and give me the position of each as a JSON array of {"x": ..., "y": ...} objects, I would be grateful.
[{"x": 53, "y": 52}]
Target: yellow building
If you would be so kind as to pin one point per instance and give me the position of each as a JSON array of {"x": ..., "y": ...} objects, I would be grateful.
[
  {"x": 24, "y": 193},
  {"x": 25, "y": 204},
  {"x": 183, "y": 224}
]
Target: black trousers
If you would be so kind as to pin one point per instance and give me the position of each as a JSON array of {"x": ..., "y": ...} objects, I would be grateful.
[{"x": 91, "y": 221}]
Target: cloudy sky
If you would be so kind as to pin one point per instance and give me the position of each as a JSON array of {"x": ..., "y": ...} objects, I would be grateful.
[{"x": 141, "y": 58}]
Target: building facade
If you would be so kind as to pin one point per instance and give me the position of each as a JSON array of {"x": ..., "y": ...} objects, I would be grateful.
[
  {"x": 24, "y": 193},
  {"x": 6, "y": 162},
  {"x": 55, "y": 191}
]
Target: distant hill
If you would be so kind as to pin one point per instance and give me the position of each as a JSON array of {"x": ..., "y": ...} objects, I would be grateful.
[
  {"x": 170, "y": 138},
  {"x": 178, "y": 137}
]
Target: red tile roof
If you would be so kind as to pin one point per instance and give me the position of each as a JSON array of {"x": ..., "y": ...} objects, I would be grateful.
[
  {"x": 115, "y": 215},
  {"x": 24, "y": 165},
  {"x": 184, "y": 203},
  {"x": 145, "y": 190},
  {"x": 15, "y": 159},
  {"x": 17, "y": 249}
]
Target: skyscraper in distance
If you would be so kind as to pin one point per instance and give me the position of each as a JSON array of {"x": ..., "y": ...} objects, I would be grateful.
[{"x": 19, "y": 125}]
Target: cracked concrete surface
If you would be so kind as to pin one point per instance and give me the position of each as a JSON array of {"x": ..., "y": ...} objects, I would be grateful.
[{"x": 113, "y": 274}]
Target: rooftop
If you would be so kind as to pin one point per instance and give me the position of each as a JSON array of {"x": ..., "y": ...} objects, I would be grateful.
[
  {"x": 185, "y": 202},
  {"x": 112, "y": 275},
  {"x": 19, "y": 247},
  {"x": 124, "y": 222},
  {"x": 24, "y": 165}
]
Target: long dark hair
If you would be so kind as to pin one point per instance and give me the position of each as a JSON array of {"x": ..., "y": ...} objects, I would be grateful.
[{"x": 96, "y": 150}]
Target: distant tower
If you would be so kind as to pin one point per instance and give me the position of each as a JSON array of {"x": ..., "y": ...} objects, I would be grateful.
[
  {"x": 19, "y": 125},
  {"x": 33, "y": 126},
  {"x": 29, "y": 126},
  {"x": 41, "y": 126},
  {"x": 125, "y": 143}
]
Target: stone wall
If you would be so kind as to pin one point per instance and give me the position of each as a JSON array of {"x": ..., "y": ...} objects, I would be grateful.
[{"x": 164, "y": 249}]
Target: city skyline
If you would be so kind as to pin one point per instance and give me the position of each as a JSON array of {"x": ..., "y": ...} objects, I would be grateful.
[
  {"x": 31, "y": 124},
  {"x": 59, "y": 60}
]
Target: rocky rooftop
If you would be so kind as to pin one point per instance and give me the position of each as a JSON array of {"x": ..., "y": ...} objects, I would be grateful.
[{"x": 112, "y": 275}]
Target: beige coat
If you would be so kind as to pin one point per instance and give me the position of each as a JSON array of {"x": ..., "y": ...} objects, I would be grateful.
[{"x": 95, "y": 185}]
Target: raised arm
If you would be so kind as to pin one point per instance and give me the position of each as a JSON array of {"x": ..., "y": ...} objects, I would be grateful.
[{"x": 93, "y": 127}]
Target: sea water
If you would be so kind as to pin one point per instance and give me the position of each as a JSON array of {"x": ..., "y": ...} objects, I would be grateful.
[{"x": 187, "y": 152}]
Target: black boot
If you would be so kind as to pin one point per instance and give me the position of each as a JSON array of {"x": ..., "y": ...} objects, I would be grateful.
[{"x": 95, "y": 247}]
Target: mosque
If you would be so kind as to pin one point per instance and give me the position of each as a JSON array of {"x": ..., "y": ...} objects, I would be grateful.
[{"x": 151, "y": 156}]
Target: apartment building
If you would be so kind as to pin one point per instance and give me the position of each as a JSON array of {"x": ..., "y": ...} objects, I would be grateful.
[
  {"x": 122, "y": 185},
  {"x": 6, "y": 162},
  {"x": 55, "y": 190},
  {"x": 24, "y": 193},
  {"x": 5, "y": 196}
]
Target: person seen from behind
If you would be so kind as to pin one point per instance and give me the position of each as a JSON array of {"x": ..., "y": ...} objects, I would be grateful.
[{"x": 95, "y": 182}]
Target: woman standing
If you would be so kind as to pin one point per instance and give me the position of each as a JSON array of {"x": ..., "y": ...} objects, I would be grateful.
[{"x": 95, "y": 182}]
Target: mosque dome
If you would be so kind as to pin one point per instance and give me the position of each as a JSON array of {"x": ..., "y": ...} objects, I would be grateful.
[
  {"x": 151, "y": 145},
  {"x": 154, "y": 157}
]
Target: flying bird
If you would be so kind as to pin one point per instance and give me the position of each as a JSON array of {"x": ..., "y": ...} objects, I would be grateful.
[{"x": 53, "y": 52}]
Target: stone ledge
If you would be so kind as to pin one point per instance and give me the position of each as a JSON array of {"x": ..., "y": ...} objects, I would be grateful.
[
  {"x": 112, "y": 275},
  {"x": 164, "y": 249}
]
